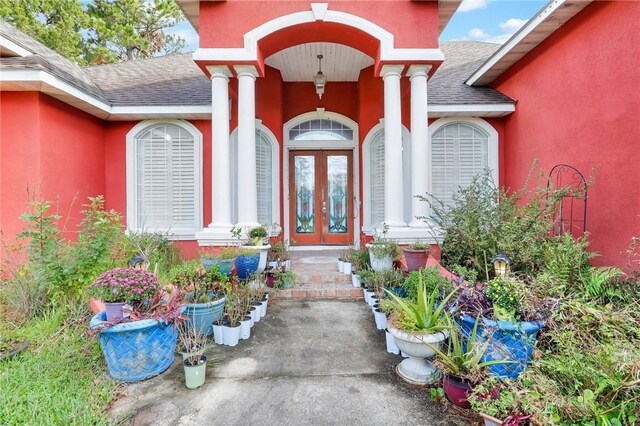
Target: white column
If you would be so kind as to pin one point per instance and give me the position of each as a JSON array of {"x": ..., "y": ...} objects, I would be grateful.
[
  {"x": 247, "y": 179},
  {"x": 221, "y": 177},
  {"x": 420, "y": 144},
  {"x": 393, "y": 176}
]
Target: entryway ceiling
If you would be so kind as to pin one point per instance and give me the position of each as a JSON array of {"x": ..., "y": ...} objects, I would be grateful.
[{"x": 300, "y": 63}]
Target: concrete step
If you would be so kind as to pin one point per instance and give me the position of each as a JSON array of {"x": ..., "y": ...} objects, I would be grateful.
[{"x": 318, "y": 291}]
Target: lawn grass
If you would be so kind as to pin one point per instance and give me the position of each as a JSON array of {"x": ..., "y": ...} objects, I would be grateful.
[{"x": 60, "y": 379}]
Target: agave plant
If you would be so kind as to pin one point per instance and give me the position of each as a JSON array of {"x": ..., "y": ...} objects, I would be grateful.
[
  {"x": 464, "y": 359},
  {"x": 426, "y": 314}
]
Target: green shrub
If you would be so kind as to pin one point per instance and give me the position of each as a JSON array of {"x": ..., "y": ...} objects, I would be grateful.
[{"x": 431, "y": 279}]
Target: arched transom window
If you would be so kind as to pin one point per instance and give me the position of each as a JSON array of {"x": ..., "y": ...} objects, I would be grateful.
[{"x": 321, "y": 130}]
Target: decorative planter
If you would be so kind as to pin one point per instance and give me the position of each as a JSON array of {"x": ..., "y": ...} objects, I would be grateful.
[
  {"x": 381, "y": 319},
  {"x": 398, "y": 291},
  {"x": 416, "y": 368},
  {"x": 341, "y": 265},
  {"x": 114, "y": 310},
  {"x": 262, "y": 262},
  {"x": 391, "y": 344},
  {"x": 136, "y": 350},
  {"x": 346, "y": 268},
  {"x": 508, "y": 341},
  {"x": 218, "y": 335},
  {"x": 245, "y": 328},
  {"x": 457, "y": 390},
  {"x": 379, "y": 264},
  {"x": 194, "y": 375},
  {"x": 355, "y": 280},
  {"x": 416, "y": 259},
  {"x": 231, "y": 334},
  {"x": 247, "y": 265},
  {"x": 204, "y": 314},
  {"x": 224, "y": 265}
]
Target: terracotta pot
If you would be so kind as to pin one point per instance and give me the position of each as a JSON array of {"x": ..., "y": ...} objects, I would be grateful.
[
  {"x": 457, "y": 390},
  {"x": 416, "y": 259}
]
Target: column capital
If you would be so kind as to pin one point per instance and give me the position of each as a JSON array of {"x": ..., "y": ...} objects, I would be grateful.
[
  {"x": 418, "y": 70},
  {"x": 246, "y": 71},
  {"x": 219, "y": 71},
  {"x": 391, "y": 70}
]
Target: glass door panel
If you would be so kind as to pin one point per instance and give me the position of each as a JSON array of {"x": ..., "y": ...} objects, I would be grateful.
[
  {"x": 305, "y": 184},
  {"x": 337, "y": 192}
]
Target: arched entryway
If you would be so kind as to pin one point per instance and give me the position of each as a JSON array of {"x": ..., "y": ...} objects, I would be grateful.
[{"x": 321, "y": 185}]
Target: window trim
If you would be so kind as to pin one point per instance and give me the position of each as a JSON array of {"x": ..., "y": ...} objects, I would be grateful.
[
  {"x": 367, "y": 226},
  {"x": 131, "y": 178},
  {"x": 275, "y": 173}
]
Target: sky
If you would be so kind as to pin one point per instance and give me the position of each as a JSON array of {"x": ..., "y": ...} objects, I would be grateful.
[{"x": 480, "y": 20}]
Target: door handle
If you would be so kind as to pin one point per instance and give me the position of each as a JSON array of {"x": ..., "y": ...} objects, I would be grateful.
[{"x": 324, "y": 208}]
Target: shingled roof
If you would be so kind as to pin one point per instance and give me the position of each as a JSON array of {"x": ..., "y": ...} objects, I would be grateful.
[{"x": 177, "y": 80}]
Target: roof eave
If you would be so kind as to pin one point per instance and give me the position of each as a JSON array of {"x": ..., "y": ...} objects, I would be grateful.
[{"x": 551, "y": 17}]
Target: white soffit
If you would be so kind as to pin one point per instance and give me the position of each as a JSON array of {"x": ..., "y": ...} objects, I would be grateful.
[
  {"x": 300, "y": 63},
  {"x": 552, "y": 16}
]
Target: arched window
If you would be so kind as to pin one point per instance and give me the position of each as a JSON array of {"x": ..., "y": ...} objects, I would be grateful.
[
  {"x": 459, "y": 152},
  {"x": 164, "y": 178},
  {"x": 373, "y": 174},
  {"x": 321, "y": 130},
  {"x": 267, "y": 167}
]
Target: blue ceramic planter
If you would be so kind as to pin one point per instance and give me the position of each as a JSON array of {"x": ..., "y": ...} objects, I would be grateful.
[
  {"x": 136, "y": 350},
  {"x": 247, "y": 265},
  {"x": 202, "y": 315},
  {"x": 510, "y": 341},
  {"x": 224, "y": 265},
  {"x": 398, "y": 291}
]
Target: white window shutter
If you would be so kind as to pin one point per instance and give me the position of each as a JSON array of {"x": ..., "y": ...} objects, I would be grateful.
[
  {"x": 264, "y": 178},
  {"x": 377, "y": 179},
  {"x": 459, "y": 152},
  {"x": 166, "y": 179}
]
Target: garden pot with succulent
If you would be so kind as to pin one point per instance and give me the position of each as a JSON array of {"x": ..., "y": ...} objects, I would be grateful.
[
  {"x": 203, "y": 293},
  {"x": 416, "y": 255},
  {"x": 412, "y": 325}
]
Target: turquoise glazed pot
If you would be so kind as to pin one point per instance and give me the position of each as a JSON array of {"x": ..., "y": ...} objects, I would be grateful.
[
  {"x": 202, "y": 315},
  {"x": 224, "y": 265}
]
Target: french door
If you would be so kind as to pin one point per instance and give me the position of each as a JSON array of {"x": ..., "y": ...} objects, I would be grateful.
[{"x": 320, "y": 194}]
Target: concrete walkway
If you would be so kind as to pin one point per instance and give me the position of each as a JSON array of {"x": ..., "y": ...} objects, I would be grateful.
[{"x": 306, "y": 363}]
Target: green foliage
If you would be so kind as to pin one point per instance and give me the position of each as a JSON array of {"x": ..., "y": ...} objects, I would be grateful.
[
  {"x": 62, "y": 268},
  {"x": 159, "y": 254},
  {"x": 431, "y": 279},
  {"x": 100, "y": 31},
  {"x": 21, "y": 299},
  {"x": 426, "y": 315},
  {"x": 506, "y": 294},
  {"x": 360, "y": 260},
  {"x": 482, "y": 219},
  {"x": 61, "y": 378},
  {"x": 258, "y": 232},
  {"x": 499, "y": 399},
  {"x": 418, "y": 246},
  {"x": 470, "y": 275},
  {"x": 384, "y": 248},
  {"x": 202, "y": 285}
]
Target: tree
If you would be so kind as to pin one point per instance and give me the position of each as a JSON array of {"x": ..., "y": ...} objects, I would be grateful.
[
  {"x": 103, "y": 31},
  {"x": 55, "y": 23},
  {"x": 128, "y": 29}
]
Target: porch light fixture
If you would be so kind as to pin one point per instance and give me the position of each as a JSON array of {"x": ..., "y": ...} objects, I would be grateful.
[
  {"x": 501, "y": 264},
  {"x": 320, "y": 80}
]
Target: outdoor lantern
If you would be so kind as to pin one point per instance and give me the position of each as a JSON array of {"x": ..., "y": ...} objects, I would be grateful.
[
  {"x": 320, "y": 80},
  {"x": 501, "y": 264}
]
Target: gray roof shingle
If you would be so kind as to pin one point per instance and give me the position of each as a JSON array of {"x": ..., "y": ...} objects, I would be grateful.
[
  {"x": 46, "y": 59},
  {"x": 462, "y": 58},
  {"x": 177, "y": 80}
]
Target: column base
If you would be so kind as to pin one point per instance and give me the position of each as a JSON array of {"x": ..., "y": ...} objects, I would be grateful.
[
  {"x": 409, "y": 235},
  {"x": 216, "y": 235},
  {"x": 247, "y": 225},
  {"x": 417, "y": 224}
]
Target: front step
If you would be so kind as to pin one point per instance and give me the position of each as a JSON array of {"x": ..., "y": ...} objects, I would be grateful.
[{"x": 318, "y": 291}]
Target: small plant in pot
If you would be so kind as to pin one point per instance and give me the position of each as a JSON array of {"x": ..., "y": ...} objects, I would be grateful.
[
  {"x": 193, "y": 344},
  {"x": 234, "y": 312},
  {"x": 462, "y": 364},
  {"x": 257, "y": 235},
  {"x": 416, "y": 255},
  {"x": 501, "y": 403},
  {"x": 383, "y": 252},
  {"x": 284, "y": 279},
  {"x": 416, "y": 323},
  {"x": 124, "y": 286},
  {"x": 225, "y": 260}
]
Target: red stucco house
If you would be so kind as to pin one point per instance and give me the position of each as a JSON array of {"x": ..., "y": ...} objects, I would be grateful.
[{"x": 243, "y": 131}]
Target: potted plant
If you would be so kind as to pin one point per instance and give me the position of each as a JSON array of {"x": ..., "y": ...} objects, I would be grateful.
[
  {"x": 225, "y": 260},
  {"x": 500, "y": 404},
  {"x": 431, "y": 279},
  {"x": 416, "y": 323},
  {"x": 416, "y": 255},
  {"x": 247, "y": 263},
  {"x": 257, "y": 235},
  {"x": 234, "y": 312},
  {"x": 359, "y": 263},
  {"x": 203, "y": 293},
  {"x": 194, "y": 361},
  {"x": 512, "y": 338},
  {"x": 284, "y": 279},
  {"x": 124, "y": 286},
  {"x": 244, "y": 260},
  {"x": 143, "y": 344},
  {"x": 383, "y": 252},
  {"x": 462, "y": 364}
]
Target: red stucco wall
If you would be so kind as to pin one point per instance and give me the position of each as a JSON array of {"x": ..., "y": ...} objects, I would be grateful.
[
  {"x": 578, "y": 103},
  {"x": 54, "y": 150},
  {"x": 413, "y": 23}
]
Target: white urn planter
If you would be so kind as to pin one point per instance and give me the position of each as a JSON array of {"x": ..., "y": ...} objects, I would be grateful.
[
  {"x": 417, "y": 369},
  {"x": 264, "y": 249},
  {"x": 379, "y": 264}
]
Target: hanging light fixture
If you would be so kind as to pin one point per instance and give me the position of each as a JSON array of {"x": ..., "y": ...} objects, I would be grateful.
[{"x": 320, "y": 80}]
